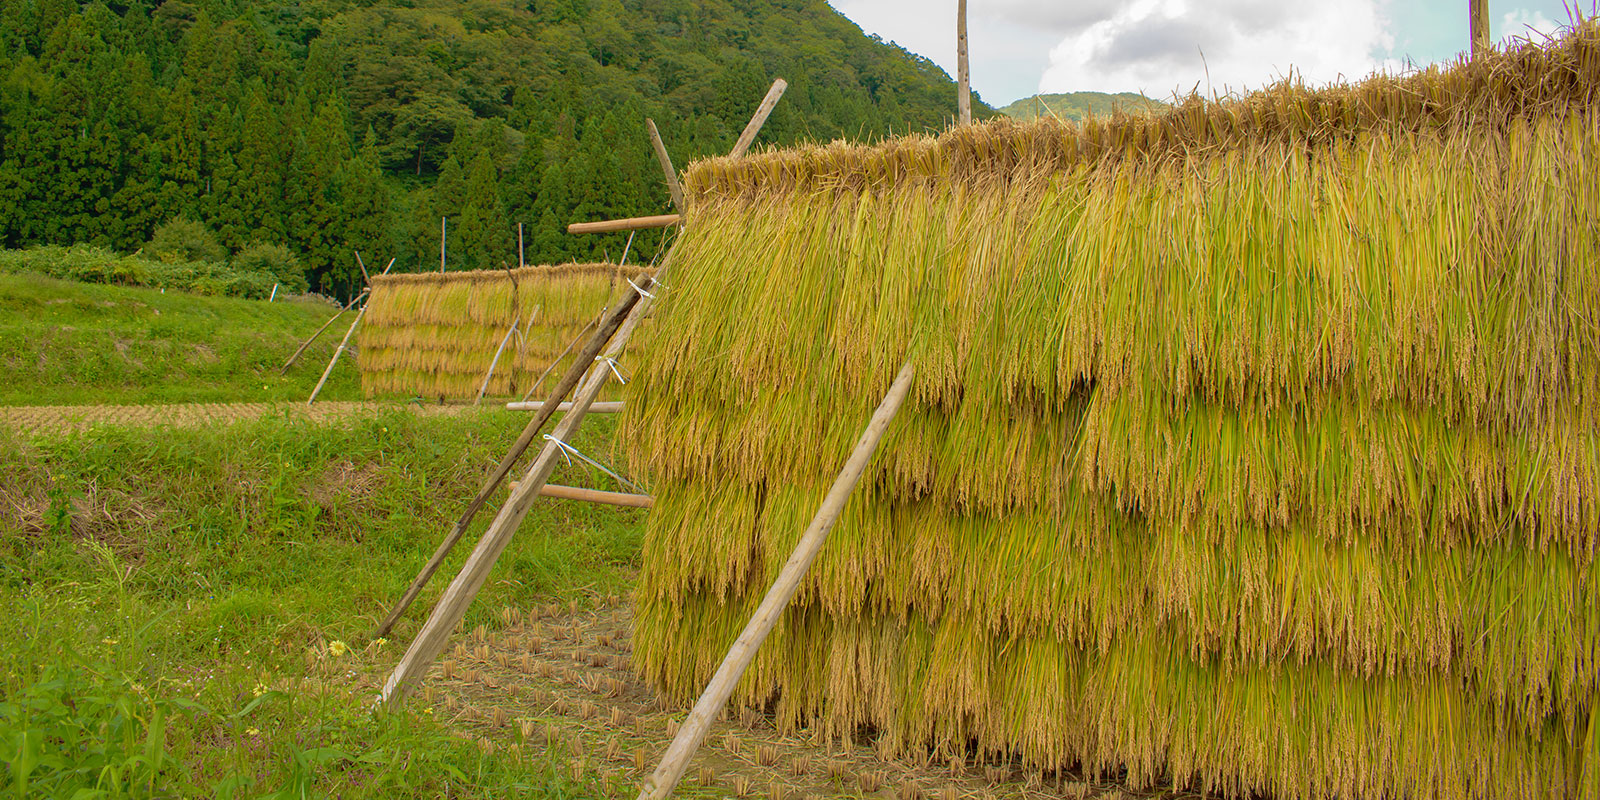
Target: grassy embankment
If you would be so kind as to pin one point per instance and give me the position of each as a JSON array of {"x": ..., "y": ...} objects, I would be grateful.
[
  {"x": 186, "y": 608},
  {"x": 70, "y": 343}
]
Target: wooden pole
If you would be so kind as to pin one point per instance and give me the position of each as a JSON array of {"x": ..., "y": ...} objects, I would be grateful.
[
  {"x": 353, "y": 301},
  {"x": 336, "y": 354},
  {"x": 673, "y": 187},
  {"x": 365, "y": 278},
  {"x": 1478, "y": 21},
  {"x": 552, "y": 365},
  {"x": 274, "y": 293},
  {"x": 612, "y": 323},
  {"x": 452, "y": 605},
  {"x": 495, "y": 362},
  {"x": 307, "y": 343},
  {"x": 748, "y": 137},
  {"x": 963, "y": 82},
  {"x": 520, "y": 262},
  {"x": 597, "y": 496},
  {"x": 630, "y": 224},
  {"x": 597, "y": 408},
  {"x": 693, "y": 730},
  {"x": 441, "y": 245}
]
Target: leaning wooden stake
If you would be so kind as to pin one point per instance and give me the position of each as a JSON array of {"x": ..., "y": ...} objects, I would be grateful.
[
  {"x": 452, "y": 605},
  {"x": 673, "y": 187},
  {"x": 495, "y": 362},
  {"x": 307, "y": 343},
  {"x": 748, "y": 137},
  {"x": 964, "y": 84},
  {"x": 552, "y": 365},
  {"x": 608, "y": 328},
  {"x": 693, "y": 730},
  {"x": 336, "y": 354}
]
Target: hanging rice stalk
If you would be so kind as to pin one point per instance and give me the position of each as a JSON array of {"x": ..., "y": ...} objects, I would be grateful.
[
  {"x": 1254, "y": 448},
  {"x": 434, "y": 335}
]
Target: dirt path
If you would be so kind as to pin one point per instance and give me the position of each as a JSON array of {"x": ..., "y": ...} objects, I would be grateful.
[
  {"x": 560, "y": 679},
  {"x": 61, "y": 419}
]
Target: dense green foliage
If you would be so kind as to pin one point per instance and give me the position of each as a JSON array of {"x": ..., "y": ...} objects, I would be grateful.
[
  {"x": 248, "y": 278},
  {"x": 337, "y": 125},
  {"x": 178, "y": 606},
  {"x": 1077, "y": 105},
  {"x": 64, "y": 343}
]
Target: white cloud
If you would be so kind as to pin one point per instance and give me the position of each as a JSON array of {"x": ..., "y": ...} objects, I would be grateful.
[
  {"x": 1522, "y": 23},
  {"x": 1159, "y": 46}
]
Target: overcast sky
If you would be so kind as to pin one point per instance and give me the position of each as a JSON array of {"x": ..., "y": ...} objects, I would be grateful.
[{"x": 1022, "y": 47}]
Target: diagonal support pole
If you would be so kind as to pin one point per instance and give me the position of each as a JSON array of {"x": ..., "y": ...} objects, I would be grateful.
[
  {"x": 673, "y": 187},
  {"x": 609, "y": 326},
  {"x": 748, "y": 137},
  {"x": 694, "y": 729},
  {"x": 452, "y": 605}
]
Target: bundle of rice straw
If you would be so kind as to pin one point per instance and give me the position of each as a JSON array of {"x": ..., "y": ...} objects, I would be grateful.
[
  {"x": 435, "y": 335},
  {"x": 1254, "y": 448}
]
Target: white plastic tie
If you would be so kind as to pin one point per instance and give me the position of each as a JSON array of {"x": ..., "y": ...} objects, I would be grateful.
[
  {"x": 612, "y": 363},
  {"x": 567, "y": 449},
  {"x": 640, "y": 291}
]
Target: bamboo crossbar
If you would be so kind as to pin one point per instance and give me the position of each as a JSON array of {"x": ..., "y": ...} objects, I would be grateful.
[
  {"x": 629, "y": 224},
  {"x": 614, "y": 407},
  {"x": 597, "y": 496}
]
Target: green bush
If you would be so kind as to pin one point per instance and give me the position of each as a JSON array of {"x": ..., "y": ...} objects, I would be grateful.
[
  {"x": 277, "y": 261},
  {"x": 97, "y": 265},
  {"x": 179, "y": 240}
]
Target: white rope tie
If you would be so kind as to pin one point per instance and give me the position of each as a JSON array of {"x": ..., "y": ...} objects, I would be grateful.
[
  {"x": 612, "y": 363},
  {"x": 640, "y": 291},
  {"x": 567, "y": 449}
]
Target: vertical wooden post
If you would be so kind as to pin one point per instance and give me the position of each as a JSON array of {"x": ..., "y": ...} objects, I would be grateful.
[
  {"x": 694, "y": 729},
  {"x": 520, "y": 263},
  {"x": 673, "y": 187},
  {"x": 963, "y": 83},
  {"x": 762, "y": 112},
  {"x": 1478, "y": 20},
  {"x": 441, "y": 245}
]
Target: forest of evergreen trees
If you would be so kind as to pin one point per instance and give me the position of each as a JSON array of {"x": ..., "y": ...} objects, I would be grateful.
[{"x": 328, "y": 126}]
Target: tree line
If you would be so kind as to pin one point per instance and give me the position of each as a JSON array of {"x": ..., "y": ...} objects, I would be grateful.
[{"x": 330, "y": 126}]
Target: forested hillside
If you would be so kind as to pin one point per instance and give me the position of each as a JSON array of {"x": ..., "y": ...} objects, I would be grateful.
[
  {"x": 333, "y": 125},
  {"x": 1077, "y": 105}
]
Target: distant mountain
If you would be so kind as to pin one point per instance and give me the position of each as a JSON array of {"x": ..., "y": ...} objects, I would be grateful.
[
  {"x": 1077, "y": 105},
  {"x": 335, "y": 126}
]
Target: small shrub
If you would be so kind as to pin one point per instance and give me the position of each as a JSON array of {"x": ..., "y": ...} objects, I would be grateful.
[
  {"x": 181, "y": 239},
  {"x": 275, "y": 260}
]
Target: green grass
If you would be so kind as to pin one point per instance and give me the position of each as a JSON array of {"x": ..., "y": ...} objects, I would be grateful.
[
  {"x": 173, "y": 599},
  {"x": 70, "y": 343}
]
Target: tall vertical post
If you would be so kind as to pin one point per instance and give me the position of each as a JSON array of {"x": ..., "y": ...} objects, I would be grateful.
[
  {"x": 1478, "y": 17},
  {"x": 963, "y": 80},
  {"x": 441, "y": 245}
]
